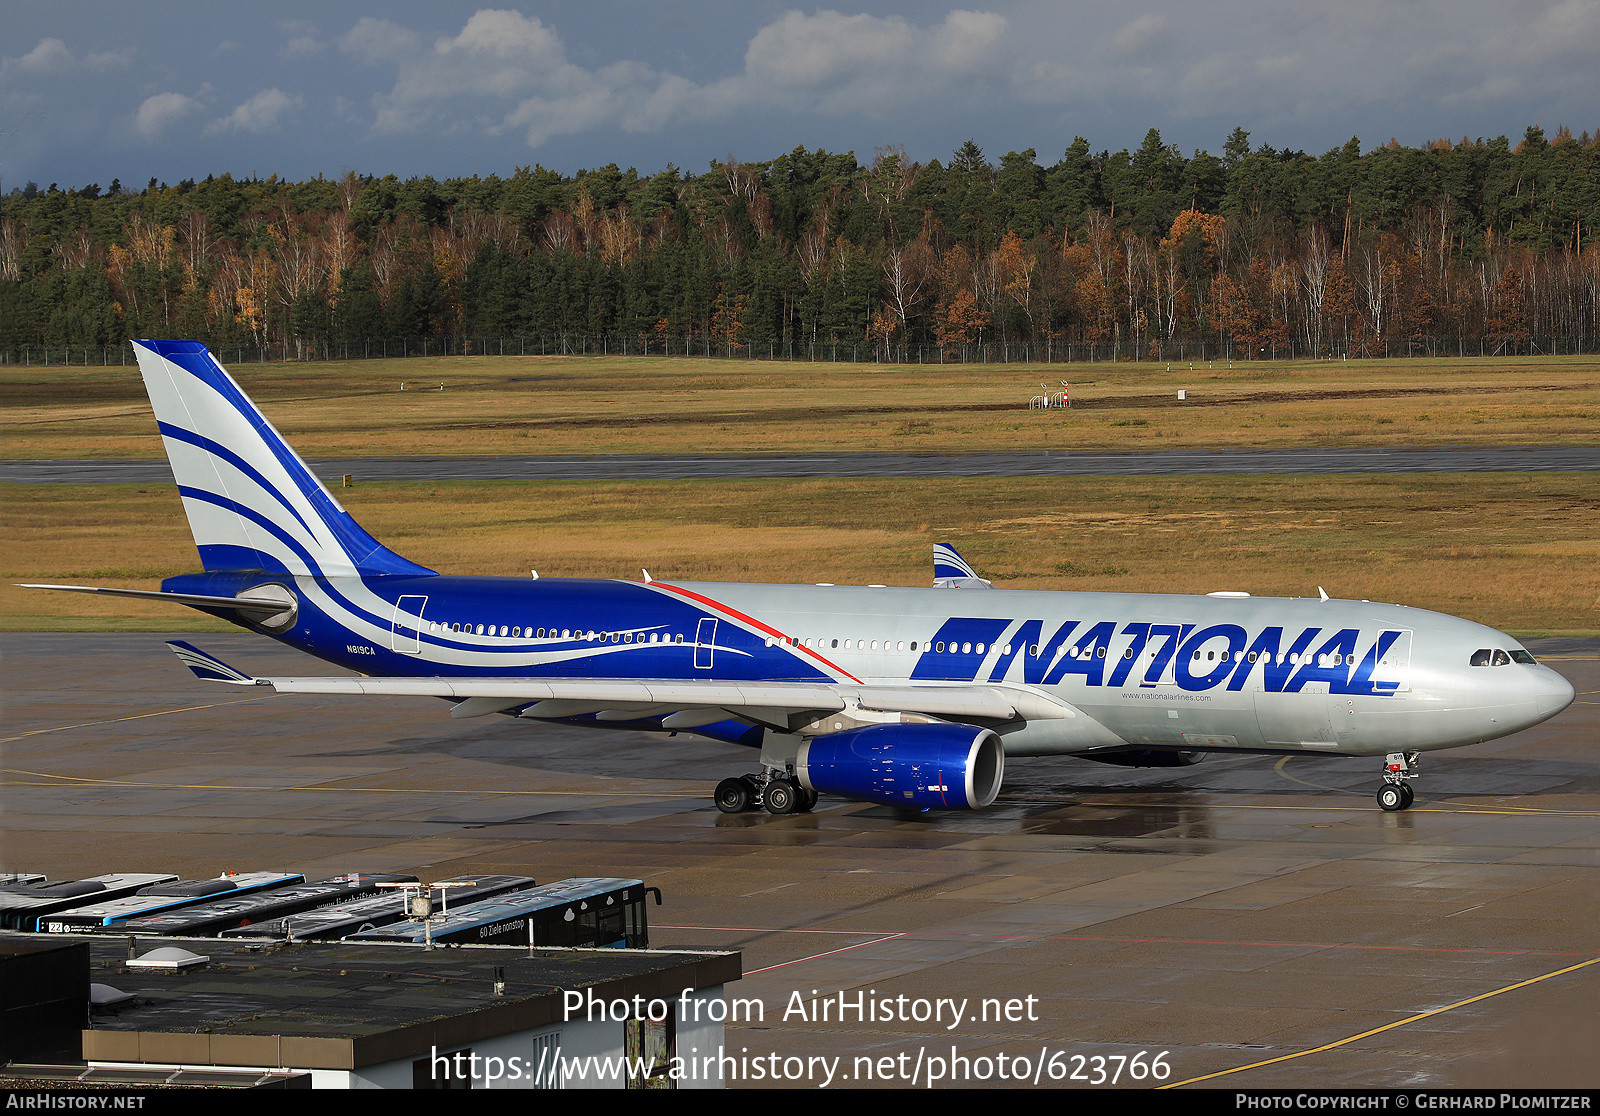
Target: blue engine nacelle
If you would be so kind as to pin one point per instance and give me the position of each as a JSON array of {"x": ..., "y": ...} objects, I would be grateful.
[{"x": 917, "y": 766}]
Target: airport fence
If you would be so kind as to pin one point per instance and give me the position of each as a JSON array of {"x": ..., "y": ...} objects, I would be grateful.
[{"x": 829, "y": 352}]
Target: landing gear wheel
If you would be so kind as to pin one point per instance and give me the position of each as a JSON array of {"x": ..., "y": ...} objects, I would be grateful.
[
  {"x": 782, "y": 797},
  {"x": 733, "y": 796},
  {"x": 808, "y": 800},
  {"x": 1411, "y": 795},
  {"x": 1394, "y": 796}
]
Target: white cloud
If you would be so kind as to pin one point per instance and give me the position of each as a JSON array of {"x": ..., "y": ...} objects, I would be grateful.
[
  {"x": 1147, "y": 33},
  {"x": 157, "y": 112},
  {"x": 1295, "y": 68},
  {"x": 51, "y": 57},
  {"x": 260, "y": 113},
  {"x": 303, "y": 46},
  {"x": 861, "y": 63},
  {"x": 506, "y": 70},
  {"x": 378, "y": 40}
]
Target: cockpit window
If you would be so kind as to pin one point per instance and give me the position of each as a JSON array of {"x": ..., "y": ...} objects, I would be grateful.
[
  {"x": 1501, "y": 658},
  {"x": 1518, "y": 655},
  {"x": 1482, "y": 656}
]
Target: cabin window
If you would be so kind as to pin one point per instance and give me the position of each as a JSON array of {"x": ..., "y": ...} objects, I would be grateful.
[
  {"x": 679, "y": 639},
  {"x": 966, "y": 648},
  {"x": 1127, "y": 652},
  {"x": 939, "y": 647},
  {"x": 979, "y": 649},
  {"x": 835, "y": 643},
  {"x": 1033, "y": 650},
  {"x": 1099, "y": 652}
]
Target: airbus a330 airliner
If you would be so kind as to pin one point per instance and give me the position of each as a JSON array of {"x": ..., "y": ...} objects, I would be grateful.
[{"x": 912, "y": 697}]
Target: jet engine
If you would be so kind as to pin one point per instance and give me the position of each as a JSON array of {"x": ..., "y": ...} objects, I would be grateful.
[{"x": 919, "y": 766}]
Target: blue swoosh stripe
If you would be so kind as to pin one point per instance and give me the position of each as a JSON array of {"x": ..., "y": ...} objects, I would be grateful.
[
  {"x": 365, "y": 551},
  {"x": 200, "y": 441}
]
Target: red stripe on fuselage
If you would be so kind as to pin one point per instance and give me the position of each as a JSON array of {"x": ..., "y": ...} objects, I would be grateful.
[{"x": 753, "y": 622}]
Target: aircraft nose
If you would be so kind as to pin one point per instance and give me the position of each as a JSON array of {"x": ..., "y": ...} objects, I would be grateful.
[{"x": 1553, "y": 694}]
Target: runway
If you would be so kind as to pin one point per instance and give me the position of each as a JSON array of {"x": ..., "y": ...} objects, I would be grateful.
[
  {"x": 1245, "y": 912},
  {"x": 1039, "y": 463}
]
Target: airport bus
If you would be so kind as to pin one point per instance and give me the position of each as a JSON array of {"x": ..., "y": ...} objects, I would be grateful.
[
  {"x": 162, "y": 897},
  {"x": 209, "y": 920},
  {"x": 345, "y": 919},
  {"x": 582, "y": 912},
  {"x": 24, "y": 907}
]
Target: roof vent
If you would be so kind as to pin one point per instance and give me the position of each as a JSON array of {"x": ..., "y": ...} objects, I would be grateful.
[
  {"x": 169, "y": 959},
  {"x": 103, "y": 996}
]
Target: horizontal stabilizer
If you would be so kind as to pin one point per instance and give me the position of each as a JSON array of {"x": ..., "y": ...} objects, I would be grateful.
[
  {"x": 193, "y": 600},
  {"x": 208, "y": 667}
]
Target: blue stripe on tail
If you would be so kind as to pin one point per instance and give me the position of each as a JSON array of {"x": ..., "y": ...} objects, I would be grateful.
[{"x": 365, "y": 553}]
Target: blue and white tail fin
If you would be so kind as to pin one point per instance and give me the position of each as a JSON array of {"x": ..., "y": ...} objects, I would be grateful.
[
  {"x": 951, "y": 571},
  {"x": 251, "y": 501}
]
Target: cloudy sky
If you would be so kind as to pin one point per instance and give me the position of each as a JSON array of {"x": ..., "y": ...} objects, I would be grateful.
[{"x": 91, "y": 91}]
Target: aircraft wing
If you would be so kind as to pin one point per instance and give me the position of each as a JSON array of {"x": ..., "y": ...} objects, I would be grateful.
[{"x": 684, "y": 702}]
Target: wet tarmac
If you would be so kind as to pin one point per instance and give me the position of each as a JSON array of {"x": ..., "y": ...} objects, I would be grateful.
[
  {"x": 1247, "y": 911},
  {"x": 1038, "y": 463}
]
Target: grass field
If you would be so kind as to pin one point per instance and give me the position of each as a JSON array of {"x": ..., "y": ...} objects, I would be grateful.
[
  {"x": 1517, "y": 551},
  {"x": 564, "y": 405}
]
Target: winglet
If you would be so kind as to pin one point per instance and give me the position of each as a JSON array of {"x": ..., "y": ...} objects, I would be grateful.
[
  {"x": 1323, "y": 593},
  {"x": 208, "y": 667},
  {"x": 951, "y": 571}
]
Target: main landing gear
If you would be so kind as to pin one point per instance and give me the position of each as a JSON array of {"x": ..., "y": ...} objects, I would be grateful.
[
  {"x": 778, "y": 792},
  {"x": 1396, "y": 792}
]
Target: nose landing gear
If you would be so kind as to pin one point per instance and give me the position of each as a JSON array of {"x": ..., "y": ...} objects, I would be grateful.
[
  {"x": 1396, "y": 792},
  {"x": 778, "y": 792}
]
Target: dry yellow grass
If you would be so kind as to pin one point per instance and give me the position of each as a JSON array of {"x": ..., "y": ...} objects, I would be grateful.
[
  {"x": 564, "y": 405},
  {"x": 1518, "y": 551}
]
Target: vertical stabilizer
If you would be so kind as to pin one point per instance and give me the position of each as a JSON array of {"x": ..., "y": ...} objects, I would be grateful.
[
  {"x": 951, "y": 571},
  {"x": 251, "y": 501}
]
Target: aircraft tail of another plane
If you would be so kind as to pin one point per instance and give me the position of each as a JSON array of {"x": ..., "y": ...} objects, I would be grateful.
[
  {"x": 951, "y": 571},
  {"x": 252, "y": 503}
]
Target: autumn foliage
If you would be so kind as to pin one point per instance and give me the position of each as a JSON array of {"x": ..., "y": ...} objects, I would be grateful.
[{"x": 1251, "y": 253}]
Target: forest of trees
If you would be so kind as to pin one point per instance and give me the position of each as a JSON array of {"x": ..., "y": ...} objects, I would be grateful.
[{"x": 1477, "y": 241}]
